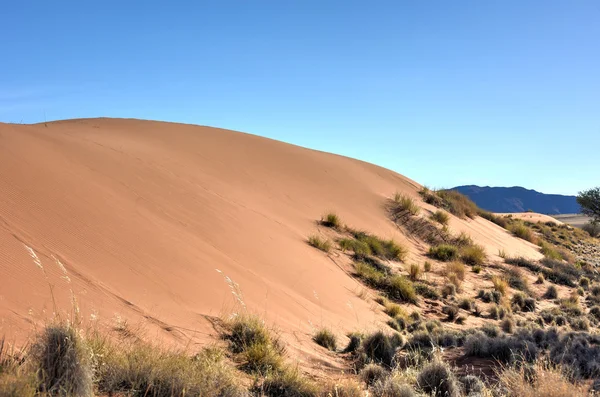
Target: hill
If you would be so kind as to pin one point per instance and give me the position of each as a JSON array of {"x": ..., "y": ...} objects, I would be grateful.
[{"x": 519, "y": 199}]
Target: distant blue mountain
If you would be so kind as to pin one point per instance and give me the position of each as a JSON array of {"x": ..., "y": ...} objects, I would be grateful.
[{"x": 519, "y": 199}]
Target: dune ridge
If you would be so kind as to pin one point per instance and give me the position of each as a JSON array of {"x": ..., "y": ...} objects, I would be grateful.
[{"x": 156, "y": 222}]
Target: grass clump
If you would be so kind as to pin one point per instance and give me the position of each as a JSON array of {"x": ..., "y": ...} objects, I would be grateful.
[
  {"x": 63, "y": 362},
  {"x": 356, "y": 246},
  {"x": 458, "y": 204},
  {"x": 473, "y": 255},
  {"x": 444, "y": 252},
  {"x": 441, "y": 217},
  {"x": 437, "y": 379},
  {"x": 448, "y": 290},
  {"x": 319, "y": 243},
  {"x": 287, "y": 383},
  {"x": 401, "y": 289},
  {"x": 427, "y": 266},
  {"x": 373, "y": 373},
  {"x": 402, "y": 203},
  {"x": 331, "y": 220},
  {"x": 414, "y": 272},
  {"x": 249, "y": 337},
  {"x": 520, "y": 230},
  {"x": 551, "y": 292},
  {"x": 457, "y": 269},
  {"x": 140, "y": 369},
  {"x": 324, "y": 337},
  {"x": 500, "y": 285},
  {"x": 380, "y": 348}
]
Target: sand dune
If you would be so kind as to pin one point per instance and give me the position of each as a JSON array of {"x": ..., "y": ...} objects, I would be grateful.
[{"x": 151, "y": 219}]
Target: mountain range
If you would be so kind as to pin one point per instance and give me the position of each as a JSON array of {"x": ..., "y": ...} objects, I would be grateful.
[{"x": 519, "y": 199}]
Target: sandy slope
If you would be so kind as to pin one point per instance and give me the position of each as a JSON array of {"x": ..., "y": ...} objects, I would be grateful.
[
  {"x": 150, "y": 219},
  {"x": 533, "y": 217}
]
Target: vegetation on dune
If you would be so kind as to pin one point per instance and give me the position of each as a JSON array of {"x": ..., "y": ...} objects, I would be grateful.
[
  {"x": 320, "y": 243},
  {"x": 324, "y": 337}
]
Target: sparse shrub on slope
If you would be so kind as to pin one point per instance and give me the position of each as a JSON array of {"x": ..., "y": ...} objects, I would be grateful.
[
  {"x": 287, "y": 383},
  {"x": 520, "y": 230}
]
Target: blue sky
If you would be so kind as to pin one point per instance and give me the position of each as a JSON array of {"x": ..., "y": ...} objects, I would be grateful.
[{"x": 497, "y": 93}]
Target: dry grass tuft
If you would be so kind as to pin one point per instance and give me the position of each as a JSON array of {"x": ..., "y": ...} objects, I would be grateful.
[
  {"x": 331, "y": 220},
  {"x": 414, "y": 272},
  {"x": 63, "y": 362},
  {"x": 441, "y": 217},
  {"x": 402, "y": 203},
  {"x": 324, "y": 337},
  {"x": 319, "y": 243}
]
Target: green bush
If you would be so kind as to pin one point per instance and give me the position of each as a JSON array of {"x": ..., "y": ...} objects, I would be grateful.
[
  {"x": 444, "y": 252},
  {"x": 437, "y": 379},
  {"x": 458, "y": 204}
]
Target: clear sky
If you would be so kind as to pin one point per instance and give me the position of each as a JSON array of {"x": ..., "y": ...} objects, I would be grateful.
[{"x": 497, "y": 93}]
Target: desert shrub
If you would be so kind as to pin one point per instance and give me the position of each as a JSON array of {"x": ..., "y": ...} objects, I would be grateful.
[
  {"x": 579, "y": 323},
  {"x": 540, "y": 279},
  {"x": 331, "y": 220},
  {"x": 392, "y": 387},
  {"x": 490, "y": 330},
  {"x": 458, "y": 204},
  {"x": 345, "y": 388},
  {"x": 371, "y": 373},
  {"x": 393, "y": 251},
  {"x": 595, "y": 312},
  {"x": 456, "y": 268},
  {"x": 593, "y": 229},
  {"x": 287, "y": 383},
  {"x": 520, "y": 230},
  {"x": 451, "y": 312},
  {"x": 401, "y": 289},
  {"x": 465, "y": 304},
  {"x": 580, "y": 352},
  {"x": 414, "y": 272},
  {"x": 356, "y": 339},
  {"x": 431, "y": 197},
  {"x": 551, "y": 292},
  {"x": 444, "y": 252},
  {"x": 472, "y": 385},
  {"x": 561, "y": 273},
  {"x": 523, "y": 262},
  {"x": 63, "y": 362},
  {"x": 437, "y": 379},
  {"x": 571, "y": 305},
  {"x": 426, "y": 291},
  {"x": 473, "y": 255},
  {"x": 448, "y": 290},
  {"x": 498, "y": 220},
  {"x": 584, "y": 282},
  {"x": 403, "y": 203},
  {"x": 441, "y": 217},
  {"x": 529, "y": 305},
  {"x": 541, "y": 380},
  {"x": 356, "y": 246},
  {"x": 549, "y": 251},
  {"x": 508, "y": 325},
  {"x": 476, "y": 269},
  {"x": 427, "y": 266},
  {"x": 580, "y": 291},
  {"x": 518, "y": 300},
  {"x": 369, "y": 274},
  {"x": 379, "y": 348},
  {"x": 462, "y": 240},
  {"x": 326, "y": 338},
  {"x": 320, "y": 243},
  {"x": 497, "y": 312},
  {"x": 517, "y": 280},
  {"x": 393, "y": 309},
  {"x": 249, "y": 337},
  {"x": 500, "y": 285}
]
